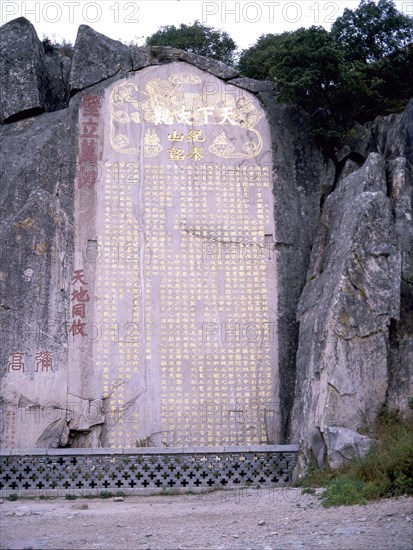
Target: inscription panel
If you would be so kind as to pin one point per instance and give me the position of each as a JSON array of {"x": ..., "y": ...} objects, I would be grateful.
[{"x": 180, "y": 263}]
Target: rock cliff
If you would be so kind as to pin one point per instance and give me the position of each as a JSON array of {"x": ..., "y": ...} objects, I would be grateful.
[
  {"x": 343, "y": 252},
  {"x": 355, "y": 313}
]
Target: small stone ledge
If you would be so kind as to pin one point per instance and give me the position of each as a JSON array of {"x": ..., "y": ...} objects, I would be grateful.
[{"x": 72, "y": 451}]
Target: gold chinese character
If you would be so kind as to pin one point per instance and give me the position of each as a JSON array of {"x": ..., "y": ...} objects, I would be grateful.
[
  {"x": 195, "y": 153},
  {"x": 175, "y": 137},
  {"x": 195, "y": 135},
  {"x": 176, "y": 154}
]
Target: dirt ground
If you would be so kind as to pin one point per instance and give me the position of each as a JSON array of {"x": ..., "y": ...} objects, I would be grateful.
[{"x": 251, "y": 518}]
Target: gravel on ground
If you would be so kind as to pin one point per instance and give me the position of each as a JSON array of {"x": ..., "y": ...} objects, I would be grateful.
[{"x": 268, "y": 519}]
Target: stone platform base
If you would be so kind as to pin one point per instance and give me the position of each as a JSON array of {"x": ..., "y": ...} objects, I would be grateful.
[{"x": 57, "y": 472}]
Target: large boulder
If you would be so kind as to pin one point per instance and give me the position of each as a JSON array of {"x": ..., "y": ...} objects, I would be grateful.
[
  {"x": 356, "y": 312},
  {"x": 95, "y": 58},
  {"x": 22, "y": 71},
  {"x": 38, "y": 165},
  {"x": 344, "y": 445}
]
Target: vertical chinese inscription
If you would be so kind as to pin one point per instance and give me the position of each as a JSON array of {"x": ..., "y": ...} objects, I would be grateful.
[
  {"x": 80, "y": 298},
  {"x": 88, "y": 141},
  {"x": 83, "y": 379}
]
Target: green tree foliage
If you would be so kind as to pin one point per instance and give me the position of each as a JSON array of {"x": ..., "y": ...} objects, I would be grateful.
[
  {"x": 258, "y": 60},
  {"x": 391, "y": 84},
  {"x": 361, "y": 69},
  {"x": 196, "y": 38},
  {"x": 310, "y": 71},
  {"x": 306, "y": 65},
  {"x": 50, "y": 46},
  {"x": 372, "y": 31}
]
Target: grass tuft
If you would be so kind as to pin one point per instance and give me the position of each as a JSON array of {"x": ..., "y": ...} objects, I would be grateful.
[
  {"x": 385, "y": 471},
  {"x": 344, "y": 490}
]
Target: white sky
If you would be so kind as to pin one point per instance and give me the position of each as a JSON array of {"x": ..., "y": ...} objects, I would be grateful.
[{"x": 129, "y": 21}]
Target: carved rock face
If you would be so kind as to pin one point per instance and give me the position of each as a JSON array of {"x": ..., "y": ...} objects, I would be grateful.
[
  {"x": 117, "y": 332},
  {"x": 172, "y": 320}
]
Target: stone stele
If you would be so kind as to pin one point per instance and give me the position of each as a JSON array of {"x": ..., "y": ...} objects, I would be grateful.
[
  {"x": 172, "y": 323},
  {"x": 170, "y": 312}
]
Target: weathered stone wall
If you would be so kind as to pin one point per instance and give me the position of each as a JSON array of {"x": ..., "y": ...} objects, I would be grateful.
[{"x": 340, "y": 243}]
